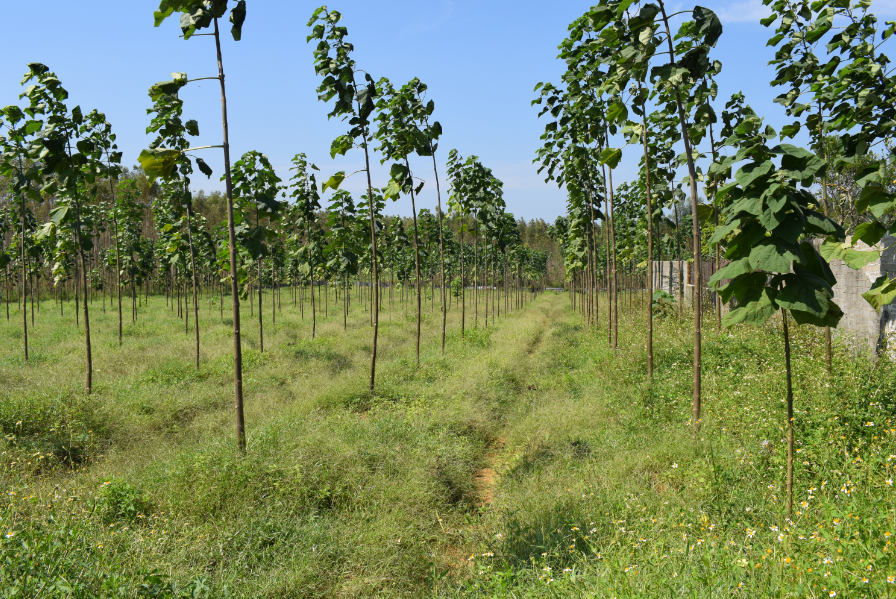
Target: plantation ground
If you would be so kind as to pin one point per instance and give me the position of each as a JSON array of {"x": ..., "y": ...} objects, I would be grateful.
[{"x": 529, "y": 461}]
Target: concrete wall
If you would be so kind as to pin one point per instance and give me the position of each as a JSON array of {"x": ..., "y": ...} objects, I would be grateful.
[
  {"x": 666, "y": 278},
  {"x": 860, "y": 321}
]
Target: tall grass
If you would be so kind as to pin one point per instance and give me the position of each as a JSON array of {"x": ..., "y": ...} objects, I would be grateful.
[{"x": 529, "y": 461}]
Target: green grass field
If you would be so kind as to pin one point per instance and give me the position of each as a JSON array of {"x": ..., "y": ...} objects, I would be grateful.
[{"x": 528, "y": 461}]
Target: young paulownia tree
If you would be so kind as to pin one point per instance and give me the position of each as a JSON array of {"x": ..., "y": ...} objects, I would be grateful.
[
  {"x": 400, "y": 111},
  {"x": 72, "y": 152},
  {"x": 256, "y": 186},
  {"x": 772, "y": 219},
  {"x": 354, "y": 101},
  {"x": 306, "y": 203},
  {"x": 17, "y": 164},
  {"x": 172, "y": 134},
  {"x": 196, "y": 15}
]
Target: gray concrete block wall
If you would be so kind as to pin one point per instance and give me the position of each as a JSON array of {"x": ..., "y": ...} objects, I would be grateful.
[
  {"x": 860, "y": 321},
  {"x": 888, "y": 313},
  {"x": 666, "y": 278}
]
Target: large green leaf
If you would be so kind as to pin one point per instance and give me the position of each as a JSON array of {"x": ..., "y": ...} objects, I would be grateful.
[
  {"x": 751, "y": 172},
  {"x": 707, "y": 25},
  {"x": 392, "y": 191},
  {"x": 398, "y": 172},
  {"x": 600, "y": 17},
  {"x": 167, "y": 87},
  {"x": 725, "y": 230},
  {"x": 750, "y": 205},
  {"x": 617, "y": 112},
  {"x": 622, "y": 7},
  {"x": 60, "y": 215},
  {"x": 791, "y": 229},
  {"x": 731, "y": 271},
  {"x": 798, "y": 163},
  {"x": 771, "y": 219},
  {"x": 705, "y": 213},
  {"x": 744, "y": 287},
  {"x": 203, "y": 167},
  {"x": 696, "y": 62},
  {"x": 644, "y": 17},
  {"x": 159, "y": 162},
  {"x": 742, "y": 244},
  {"x": 882, "y": 292},
  {"x": 871, "y": 233},
  {"x": 334, "y": 182},
  {"x": 820, "y": 224},
  {"x": 855, "y": 259},
  {"x": 812, "y": 280},
  {"x": 237, "y": 18},
  {"x": 875, "y": 198},
  {"x": 831, "y": 317},
  {"x": 815, "y": 264},
  {"x": 773, "y": 255},
  {"x": 341, "y": 145},
  {"x": 755, "y": 312},
  {"x": 611, "y": 157},
  {"x": 797, "y": 295},
  {"x": 790, "y": 130},
  {"x": 725, "y": 190},
  {"x": 166, "y": 8}
]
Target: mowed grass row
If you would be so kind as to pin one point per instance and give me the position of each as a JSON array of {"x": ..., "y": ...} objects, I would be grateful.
[
  {"x": 339, "y": 494},
  {"x": 530, "y": 461},
  {"x": 604, "y": 490}
]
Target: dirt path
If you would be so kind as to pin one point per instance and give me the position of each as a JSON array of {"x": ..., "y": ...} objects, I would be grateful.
[{"x": 487, "y": 478}]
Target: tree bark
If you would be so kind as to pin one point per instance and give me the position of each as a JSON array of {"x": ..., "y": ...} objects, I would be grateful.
[
  {"x": 195, "y": 286},
  {"x": 416, "y": 260},
  {"x": 698, "y": 270},
  {"x": 790, "y": 432},
  {"x": 234, "y": 285},
  {"x": 649, "y": 246}
]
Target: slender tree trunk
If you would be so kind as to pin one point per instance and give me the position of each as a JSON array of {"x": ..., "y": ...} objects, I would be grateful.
[
  {"x": 375, "y": 305},
  {"x": 715, "y": 204},
  {"x": 444, "y": 290},
  {"x": 234, "y": 286},
  {"x": 416, "y": 262},
  {"x": 828, "y": 351},
  {"x": 698, "y": 270},
  {"x": 195, "y": 285},
  {"x": 614, "y": 266},
  {"x": 88, "y": 384},
  {"x": 117, "y": 271},
  {"x": 790, "y": 432},
  {"x": 649, "y": 246},
  {"x": 24, "y": 283},
  {"x": 485, "y": 257},
  {"x": 609, "y": 269},
  {"x": 463, "y": 284},
  {"x": 260, "y": 317},
  {"x": 476, "y": 273},
  {"x": 680, "y": 264}
]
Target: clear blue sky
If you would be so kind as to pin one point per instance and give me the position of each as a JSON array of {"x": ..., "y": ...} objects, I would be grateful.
[{"x": 481, "y": 60}]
